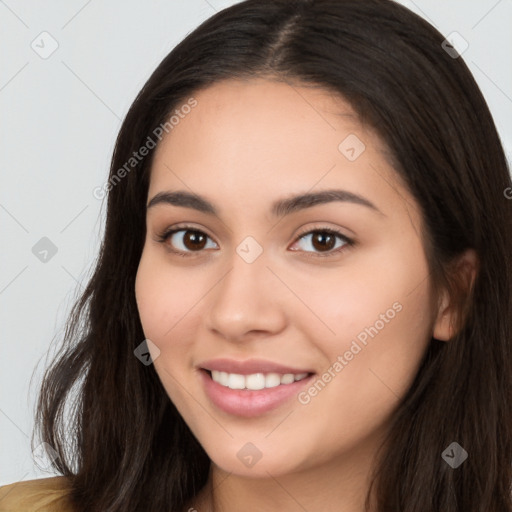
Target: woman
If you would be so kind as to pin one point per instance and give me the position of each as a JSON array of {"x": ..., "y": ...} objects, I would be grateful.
[{"x": 303, "y": 297}]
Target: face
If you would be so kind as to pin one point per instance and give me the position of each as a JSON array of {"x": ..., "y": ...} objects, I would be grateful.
[{"x": 284, "y": 330}]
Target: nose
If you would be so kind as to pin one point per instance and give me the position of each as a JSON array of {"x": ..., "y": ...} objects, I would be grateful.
[{"x": 248, "y": 300}]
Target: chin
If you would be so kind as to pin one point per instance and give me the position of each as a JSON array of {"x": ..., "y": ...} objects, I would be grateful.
[{"x": 252, "y": 460}]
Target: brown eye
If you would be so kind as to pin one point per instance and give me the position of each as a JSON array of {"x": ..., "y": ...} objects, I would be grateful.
[
  {"x": 183, "y": 241},
  {"x": 324, "y": 242},
  {"x": 194, "y": 240}
]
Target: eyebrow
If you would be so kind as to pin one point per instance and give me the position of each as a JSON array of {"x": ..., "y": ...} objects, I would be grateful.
[{"x": 279, "y": 208}]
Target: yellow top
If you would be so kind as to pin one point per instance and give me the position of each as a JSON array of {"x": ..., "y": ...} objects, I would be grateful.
[{"x": 41, "y": 495}]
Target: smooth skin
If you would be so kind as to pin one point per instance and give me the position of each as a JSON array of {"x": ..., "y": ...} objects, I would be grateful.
[{"x": 245, "y": 145}]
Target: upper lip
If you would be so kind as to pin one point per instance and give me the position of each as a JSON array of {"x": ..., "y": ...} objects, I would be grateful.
[{"x": 250, "y": 366}]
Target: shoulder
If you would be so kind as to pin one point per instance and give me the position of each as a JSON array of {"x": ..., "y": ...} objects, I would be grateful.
[{"x": 40, "y": 495}]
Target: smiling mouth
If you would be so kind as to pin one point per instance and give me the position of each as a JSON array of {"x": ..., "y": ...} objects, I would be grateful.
[
  {"x": 250, "y": 395},
  {"x": 255, "y": 381}
]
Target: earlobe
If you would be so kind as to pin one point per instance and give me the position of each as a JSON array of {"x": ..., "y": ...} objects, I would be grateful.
[
  {"x": 465, "y": 274},
  {"x": 443, "y": 329}
]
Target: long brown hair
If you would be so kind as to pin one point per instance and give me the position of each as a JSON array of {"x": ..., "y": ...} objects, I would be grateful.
[{"x": 119, "y": 437}]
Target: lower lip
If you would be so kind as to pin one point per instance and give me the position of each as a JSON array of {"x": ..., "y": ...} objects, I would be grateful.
[{"x": 248, "y": 403}]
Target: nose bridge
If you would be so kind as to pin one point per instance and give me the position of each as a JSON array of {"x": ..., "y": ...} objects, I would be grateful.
[
  {"x": 247, "y": 274},
  {"x": 245, "y": 297}
]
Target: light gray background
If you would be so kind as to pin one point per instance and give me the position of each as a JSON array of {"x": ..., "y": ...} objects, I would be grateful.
[{"x": 59, "y": 118}]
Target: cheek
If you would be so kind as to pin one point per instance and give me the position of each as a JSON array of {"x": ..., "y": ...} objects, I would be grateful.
[
  {"x": 163, "y": 297},
  {"x": 368, "y": 291},
  {"x": 371, "y": 361},
  {"x": 377, "y": 317},
  {"x": 163, "y": 307},
  {"x": 169, "y": 303},
  {"x": 153, "y": 304}
]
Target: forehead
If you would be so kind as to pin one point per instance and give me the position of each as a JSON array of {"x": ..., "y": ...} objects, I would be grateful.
[
  {"x": 260, "y": 138},
  {"x": 254, "y": 117}
]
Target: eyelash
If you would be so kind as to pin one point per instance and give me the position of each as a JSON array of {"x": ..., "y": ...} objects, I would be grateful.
[{"x": 164, "y": 236}]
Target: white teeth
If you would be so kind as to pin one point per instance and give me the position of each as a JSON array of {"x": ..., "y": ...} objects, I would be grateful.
[
  {"x": 223, "y": 378},
  {"x": 287, "y": 378},
  {"x": 236, "y": 381},
  {"x": 220, "y": 377},
  {"x": 272, "y": 380},
  {"x": 255, "y": 381}
]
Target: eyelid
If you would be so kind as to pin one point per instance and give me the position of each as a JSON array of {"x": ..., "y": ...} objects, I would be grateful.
[
  {"x": 164, "y": 235},
  {"x": 322, "y": 227},
  {"x": 349, "y": 242},
  {"x": 170, "y": 230}
]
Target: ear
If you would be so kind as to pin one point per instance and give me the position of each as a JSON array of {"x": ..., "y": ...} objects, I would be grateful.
[{"x": 466, "y": 268}]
